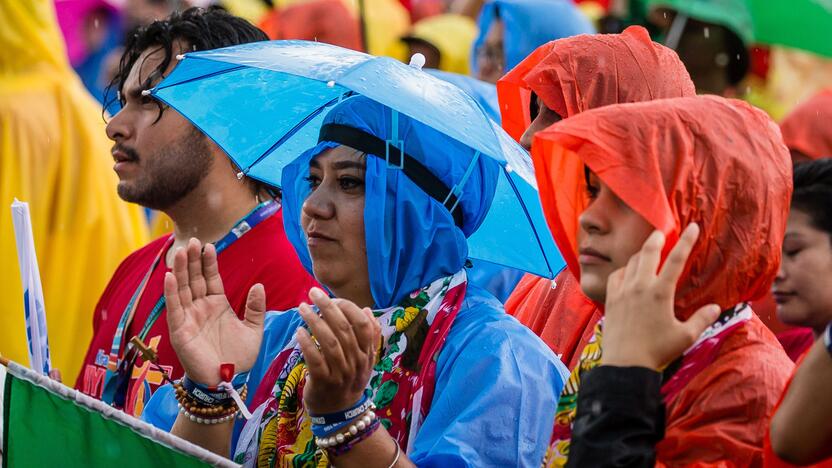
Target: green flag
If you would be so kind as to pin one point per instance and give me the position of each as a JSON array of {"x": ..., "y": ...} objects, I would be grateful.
[{"x": 45, "y": 423}]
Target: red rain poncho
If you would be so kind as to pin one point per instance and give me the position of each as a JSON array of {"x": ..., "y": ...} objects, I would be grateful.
[
  {"x": 573, "y": 75},
  {"x": 770, "y": 459},
  {"x": 806, "y": 129},
  {"x": 717, "y": 162}
]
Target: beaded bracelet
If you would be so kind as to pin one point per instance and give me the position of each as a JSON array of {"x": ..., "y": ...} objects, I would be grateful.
[
  {"x": 202, "y": 420},
  {"x": 364, "y": 423},
  {"x": 348, "y": 445}
]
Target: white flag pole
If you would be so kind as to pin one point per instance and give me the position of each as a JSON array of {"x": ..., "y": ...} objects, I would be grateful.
[{"x": 35, "y": 314}]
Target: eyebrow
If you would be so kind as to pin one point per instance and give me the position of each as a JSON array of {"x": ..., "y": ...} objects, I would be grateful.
[
  {"x": 348, "y": 165},
  {"x": 338, "y": 165}
]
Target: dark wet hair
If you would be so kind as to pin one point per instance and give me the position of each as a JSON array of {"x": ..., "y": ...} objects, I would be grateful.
[
  {"x": 813, "y": 192},
  {"x": 198, "y": 28},
  {"x": 739, "y": 59}
]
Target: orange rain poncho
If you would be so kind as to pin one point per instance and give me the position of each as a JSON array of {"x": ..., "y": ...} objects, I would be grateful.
[
  {"x": 328, "y": 21},
  {"x": 806, "y": 129},
  {"x": 573, "y": 75},
  {"x": 720, "y": 163},
  {"x": 55, "y": 155}
]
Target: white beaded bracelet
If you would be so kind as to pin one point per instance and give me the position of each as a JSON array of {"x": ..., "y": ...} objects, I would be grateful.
[
  {"x": 201, "y": 420},
  {"x": 353, "y": 430}
]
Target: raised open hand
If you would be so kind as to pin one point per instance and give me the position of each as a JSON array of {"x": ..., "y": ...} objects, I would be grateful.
[
  {"x": 204, "y": 330},
  {"x": 640, "y": 325},
  {"x": 340, "y": 368}
]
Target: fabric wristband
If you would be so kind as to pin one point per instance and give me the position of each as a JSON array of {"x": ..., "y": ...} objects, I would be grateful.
[
  {"x": 321, "y": 430},
  {"x": 212, "y": 396},
  {"x": 356, "y": 410}
]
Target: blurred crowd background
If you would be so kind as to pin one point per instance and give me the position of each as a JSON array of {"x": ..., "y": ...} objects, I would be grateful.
[{"x": 58, "y": 58}]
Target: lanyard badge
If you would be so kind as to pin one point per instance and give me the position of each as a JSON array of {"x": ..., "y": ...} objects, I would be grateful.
[{"x": 119, "y": 370}]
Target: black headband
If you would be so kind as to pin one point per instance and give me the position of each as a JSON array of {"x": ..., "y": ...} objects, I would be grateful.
[{"x": 412, "y": 168}]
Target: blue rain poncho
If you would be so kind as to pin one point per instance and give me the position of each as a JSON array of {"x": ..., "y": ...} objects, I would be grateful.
[
  {"x": 528, "y": 25},
  {"x": 497, "y": 384}
]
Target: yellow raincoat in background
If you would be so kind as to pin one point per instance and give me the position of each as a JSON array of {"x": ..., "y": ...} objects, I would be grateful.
[
  {"x": 452, "y": 35},
  {"x": 55, "y": 155}
]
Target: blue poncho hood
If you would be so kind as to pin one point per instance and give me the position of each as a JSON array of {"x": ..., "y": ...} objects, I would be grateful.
[
  {"x": 411, "y": 238},
  {"x": 528, "y": 25}
]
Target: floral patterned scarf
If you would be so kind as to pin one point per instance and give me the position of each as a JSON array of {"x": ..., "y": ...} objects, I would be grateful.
[
  {"x": 694, "y": 360},
  {"x": 401, "y": 383}
]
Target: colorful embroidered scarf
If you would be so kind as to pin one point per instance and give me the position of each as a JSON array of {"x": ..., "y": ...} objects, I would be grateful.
[
  {"x": 694, "y": 360},
  {"x": 401, "y": 384}
]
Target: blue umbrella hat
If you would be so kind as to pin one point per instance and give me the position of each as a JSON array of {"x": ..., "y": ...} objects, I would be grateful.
[{"x": 265, "y": 103}]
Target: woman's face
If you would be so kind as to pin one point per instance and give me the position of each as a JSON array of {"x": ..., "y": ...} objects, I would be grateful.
[
  {"x": 610, "y": 233},
  {"x": 491, "y": 60},
  {"x": 333, "y": 220},
  {"x": 802, "y": 286},
  {"x": 544, "y": 118}
]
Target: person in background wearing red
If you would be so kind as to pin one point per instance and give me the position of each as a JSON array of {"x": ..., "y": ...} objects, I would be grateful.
[
  {"x": 163, "y": 162},
  {"x": 800, "y": 431}
]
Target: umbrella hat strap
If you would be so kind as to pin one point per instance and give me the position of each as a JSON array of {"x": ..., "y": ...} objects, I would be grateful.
[
  {"x": 457, "y": 191},
  {"x": 412, "y": 168}
]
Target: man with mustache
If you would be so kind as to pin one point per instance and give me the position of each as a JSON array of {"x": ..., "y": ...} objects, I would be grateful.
[{"x": 164, "y": 163}]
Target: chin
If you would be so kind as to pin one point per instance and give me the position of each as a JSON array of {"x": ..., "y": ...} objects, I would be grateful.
[
  {"x": 594, "y": 288},
  {"x": 325, "y": 276},
  {"x": 794, "y": 315}
]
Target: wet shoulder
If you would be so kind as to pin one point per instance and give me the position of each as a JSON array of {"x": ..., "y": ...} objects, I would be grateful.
[{"x": 483, "y": 326}]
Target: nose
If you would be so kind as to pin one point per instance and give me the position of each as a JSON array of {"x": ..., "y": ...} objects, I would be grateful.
[
  {"x": 781, "y": 273},
  {"x": 595, "y": 218},
  {"x": 118, "y": 128},
  {"x": 526, "y": 139},
  {"x": 319, "y": 204}
]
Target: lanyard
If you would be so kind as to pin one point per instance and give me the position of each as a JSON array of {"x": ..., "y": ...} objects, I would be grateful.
[{"x": 118, "y": 370}]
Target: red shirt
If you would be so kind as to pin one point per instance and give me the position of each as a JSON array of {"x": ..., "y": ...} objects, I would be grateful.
[{"x": 262, "y": 255}]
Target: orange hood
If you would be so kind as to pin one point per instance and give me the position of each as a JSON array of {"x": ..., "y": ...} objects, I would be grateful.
[
  {"x": 583, "y": 72},
  {"x": 807, "y": 130},
  {"x": 717, "y": 162}
]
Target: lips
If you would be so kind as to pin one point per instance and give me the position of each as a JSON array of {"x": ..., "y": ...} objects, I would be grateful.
[
  {"x": 590, "y": 256},
  {"x": 119, "y": 156},
  {"x": 781, "y": 297},
  {"x": 315, "y": 238}
]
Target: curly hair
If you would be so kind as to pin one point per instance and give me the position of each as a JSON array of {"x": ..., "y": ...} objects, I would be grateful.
[{"x": 198, "y": 28}]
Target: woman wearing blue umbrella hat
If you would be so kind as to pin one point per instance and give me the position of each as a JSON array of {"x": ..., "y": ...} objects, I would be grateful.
[{"x": 407, "y": 363}]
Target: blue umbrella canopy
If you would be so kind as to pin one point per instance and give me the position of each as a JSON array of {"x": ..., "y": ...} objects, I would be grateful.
[
  {"x": 263, "y": 104},
  {"x": 484, "y": 93}
]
